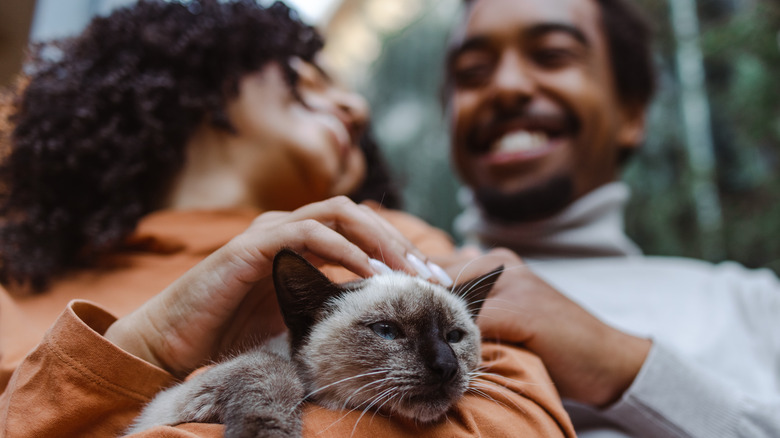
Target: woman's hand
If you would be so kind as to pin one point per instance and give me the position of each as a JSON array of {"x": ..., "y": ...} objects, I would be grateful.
[
  {"x": 227, "y": 301},
  {"x": 588, "y": 360}
]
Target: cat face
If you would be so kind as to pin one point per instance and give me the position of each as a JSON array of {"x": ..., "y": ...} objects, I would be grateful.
[{"x": 392, "y": 342}]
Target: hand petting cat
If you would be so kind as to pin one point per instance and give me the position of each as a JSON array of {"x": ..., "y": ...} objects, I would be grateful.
[
  {"x": 227, "y": 301},
  {"x": 588, "y": 360}
]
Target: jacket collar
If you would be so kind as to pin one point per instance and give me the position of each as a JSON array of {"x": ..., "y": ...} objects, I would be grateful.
[{"x": 192, "y": 231}]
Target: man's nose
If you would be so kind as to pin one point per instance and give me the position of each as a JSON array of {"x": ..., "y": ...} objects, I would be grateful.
[{"x": 513, "y": 81}]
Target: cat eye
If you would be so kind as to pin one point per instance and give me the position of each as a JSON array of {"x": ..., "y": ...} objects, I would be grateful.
[
  {"x": 454, "y": 336},
  {"x": 386, "y": 330}
]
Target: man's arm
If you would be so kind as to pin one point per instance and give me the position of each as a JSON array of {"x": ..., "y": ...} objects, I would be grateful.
[
  {"x": 673, "y": 397},
  {"x": 589, "y": 361},
  {"x": 642, "y": 386}
]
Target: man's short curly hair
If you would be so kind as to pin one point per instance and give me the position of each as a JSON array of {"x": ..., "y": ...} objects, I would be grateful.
[{"x": 100, "y": 129}]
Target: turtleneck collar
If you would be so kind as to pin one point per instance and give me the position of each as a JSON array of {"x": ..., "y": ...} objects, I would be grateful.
[{"x": 592, "y": 226}]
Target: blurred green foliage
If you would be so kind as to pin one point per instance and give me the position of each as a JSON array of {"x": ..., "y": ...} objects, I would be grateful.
[
  {"x": 741, "y": 47},
  {"x": 740, "y": 40}
]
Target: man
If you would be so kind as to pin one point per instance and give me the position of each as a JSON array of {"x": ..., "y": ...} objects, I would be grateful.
[{"x": 547, "y": 98}]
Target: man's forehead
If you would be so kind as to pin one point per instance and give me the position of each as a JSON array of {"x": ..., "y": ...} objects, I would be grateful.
[{"x": 490, "y": 17}]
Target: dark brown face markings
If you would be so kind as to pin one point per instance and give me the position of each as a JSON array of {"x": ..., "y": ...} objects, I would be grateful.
[{"x": 438, "y": 356}]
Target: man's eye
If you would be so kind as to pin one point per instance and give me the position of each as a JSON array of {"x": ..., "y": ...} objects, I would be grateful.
[
  {"x": 472, "y": 68},
  {"x": 553, "y": 58},
  {"x": 472, "y": 75}
]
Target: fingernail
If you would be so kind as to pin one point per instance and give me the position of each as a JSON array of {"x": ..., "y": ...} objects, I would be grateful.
[
  {"x": 379, "y": 267},
  {"x": 440, "y": 275},
  {"x": 419, "y": 266}
]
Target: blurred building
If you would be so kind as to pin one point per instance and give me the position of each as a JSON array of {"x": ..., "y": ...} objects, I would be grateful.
[
  {"x": 356, "y": 30},
  {"x": 15, "y": 19}
]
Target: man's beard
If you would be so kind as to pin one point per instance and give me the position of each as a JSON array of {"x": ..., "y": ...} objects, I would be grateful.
[{"x": 534, "y": 203}]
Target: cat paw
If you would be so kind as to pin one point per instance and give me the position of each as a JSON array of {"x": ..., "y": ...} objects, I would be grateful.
[{"x": 263, "y": 427}]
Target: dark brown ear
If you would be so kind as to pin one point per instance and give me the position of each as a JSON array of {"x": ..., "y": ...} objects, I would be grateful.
[
  {"x": 301, "y": 290},
  {"x": 476, "y": 290}
]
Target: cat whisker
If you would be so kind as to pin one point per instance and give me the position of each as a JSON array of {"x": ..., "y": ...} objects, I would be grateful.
[
  {"x": 484, "y": 383},
  {"x": 388, "y": 400},
  {"x": 479, "y": 369},
  {"x": 463, "y": 268},
  {"x": 524, "y": 265},
  {"x": 465, "y": 292},
  {"x": 357, "y": 391},
  {"x": 381, "y": 395},
  {"x": 370, "y": 373},
  {"x": 487, "y": 396},
  {"x": 349, "y": 411},
  {"x": 500, "y": 377},
  {"x": 447, "y": 417},
  {"x": 475, "y": 384}
]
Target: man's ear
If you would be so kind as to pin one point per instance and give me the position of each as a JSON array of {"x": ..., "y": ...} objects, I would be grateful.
[
  {"x": 632, "y": 127},
  {"x": 476, "y": 290},
  {"x": 302, "y": 290}
]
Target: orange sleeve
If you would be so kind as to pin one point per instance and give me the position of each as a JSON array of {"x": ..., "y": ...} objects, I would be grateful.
[
  {"x": 515, "y": 399},
  {"x": 77, "y": 383},
  {"x": 17, "y": 335}
]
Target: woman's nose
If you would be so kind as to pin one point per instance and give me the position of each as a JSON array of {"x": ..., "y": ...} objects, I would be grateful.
[
  {"x": 353, "y": 110},
  {"x": 353, "y": 106}
]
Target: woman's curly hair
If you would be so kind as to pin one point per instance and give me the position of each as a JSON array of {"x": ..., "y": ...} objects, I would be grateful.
[{"x": 100, "y": 128}]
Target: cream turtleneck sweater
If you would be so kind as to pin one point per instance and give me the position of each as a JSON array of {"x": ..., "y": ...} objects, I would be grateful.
[
  {"x": 591, "y": 227},
  {"x": 714, "y": 368}
]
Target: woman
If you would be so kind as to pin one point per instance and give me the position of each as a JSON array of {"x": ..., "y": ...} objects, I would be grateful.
[{"x": 142, "y": 159}]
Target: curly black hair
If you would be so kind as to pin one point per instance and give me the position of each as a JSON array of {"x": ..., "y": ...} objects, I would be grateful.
[{"x": 100, "y": 129}]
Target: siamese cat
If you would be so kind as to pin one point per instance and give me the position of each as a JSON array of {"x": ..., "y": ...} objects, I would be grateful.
[{"x": 392, "y": 343}]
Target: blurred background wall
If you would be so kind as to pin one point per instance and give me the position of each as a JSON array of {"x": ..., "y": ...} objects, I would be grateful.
[
  {"x": 15, "y": 19},
  {"x": 706, "y": 182}
]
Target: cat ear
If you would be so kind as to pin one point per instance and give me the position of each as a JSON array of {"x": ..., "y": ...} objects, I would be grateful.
[
  {"x": 301, "y": 290},
  {"x": 476, "y": 290}
]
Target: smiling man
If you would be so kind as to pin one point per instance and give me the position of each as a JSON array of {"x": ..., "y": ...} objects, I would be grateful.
[
  {"x": 547, "y": 99},
  {"x": 538, "y": 118}
]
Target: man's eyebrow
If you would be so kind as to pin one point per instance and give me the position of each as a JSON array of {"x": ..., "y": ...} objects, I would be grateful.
[
  {"x": 535, "y": 31},
  {"x": 542, "y": 29}
]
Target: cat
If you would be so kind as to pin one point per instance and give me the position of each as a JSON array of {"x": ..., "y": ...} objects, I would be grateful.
[{"x": 393, "y": 343}]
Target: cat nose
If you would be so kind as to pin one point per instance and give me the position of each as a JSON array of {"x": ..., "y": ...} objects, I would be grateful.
[{"x": 444, "y": 364}]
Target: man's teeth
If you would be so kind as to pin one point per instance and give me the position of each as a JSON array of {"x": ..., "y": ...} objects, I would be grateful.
[{"x": 520, "y": 141}]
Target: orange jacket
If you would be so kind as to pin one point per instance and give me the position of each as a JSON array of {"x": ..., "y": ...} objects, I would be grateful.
[{"x": 76, "y": 383}]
